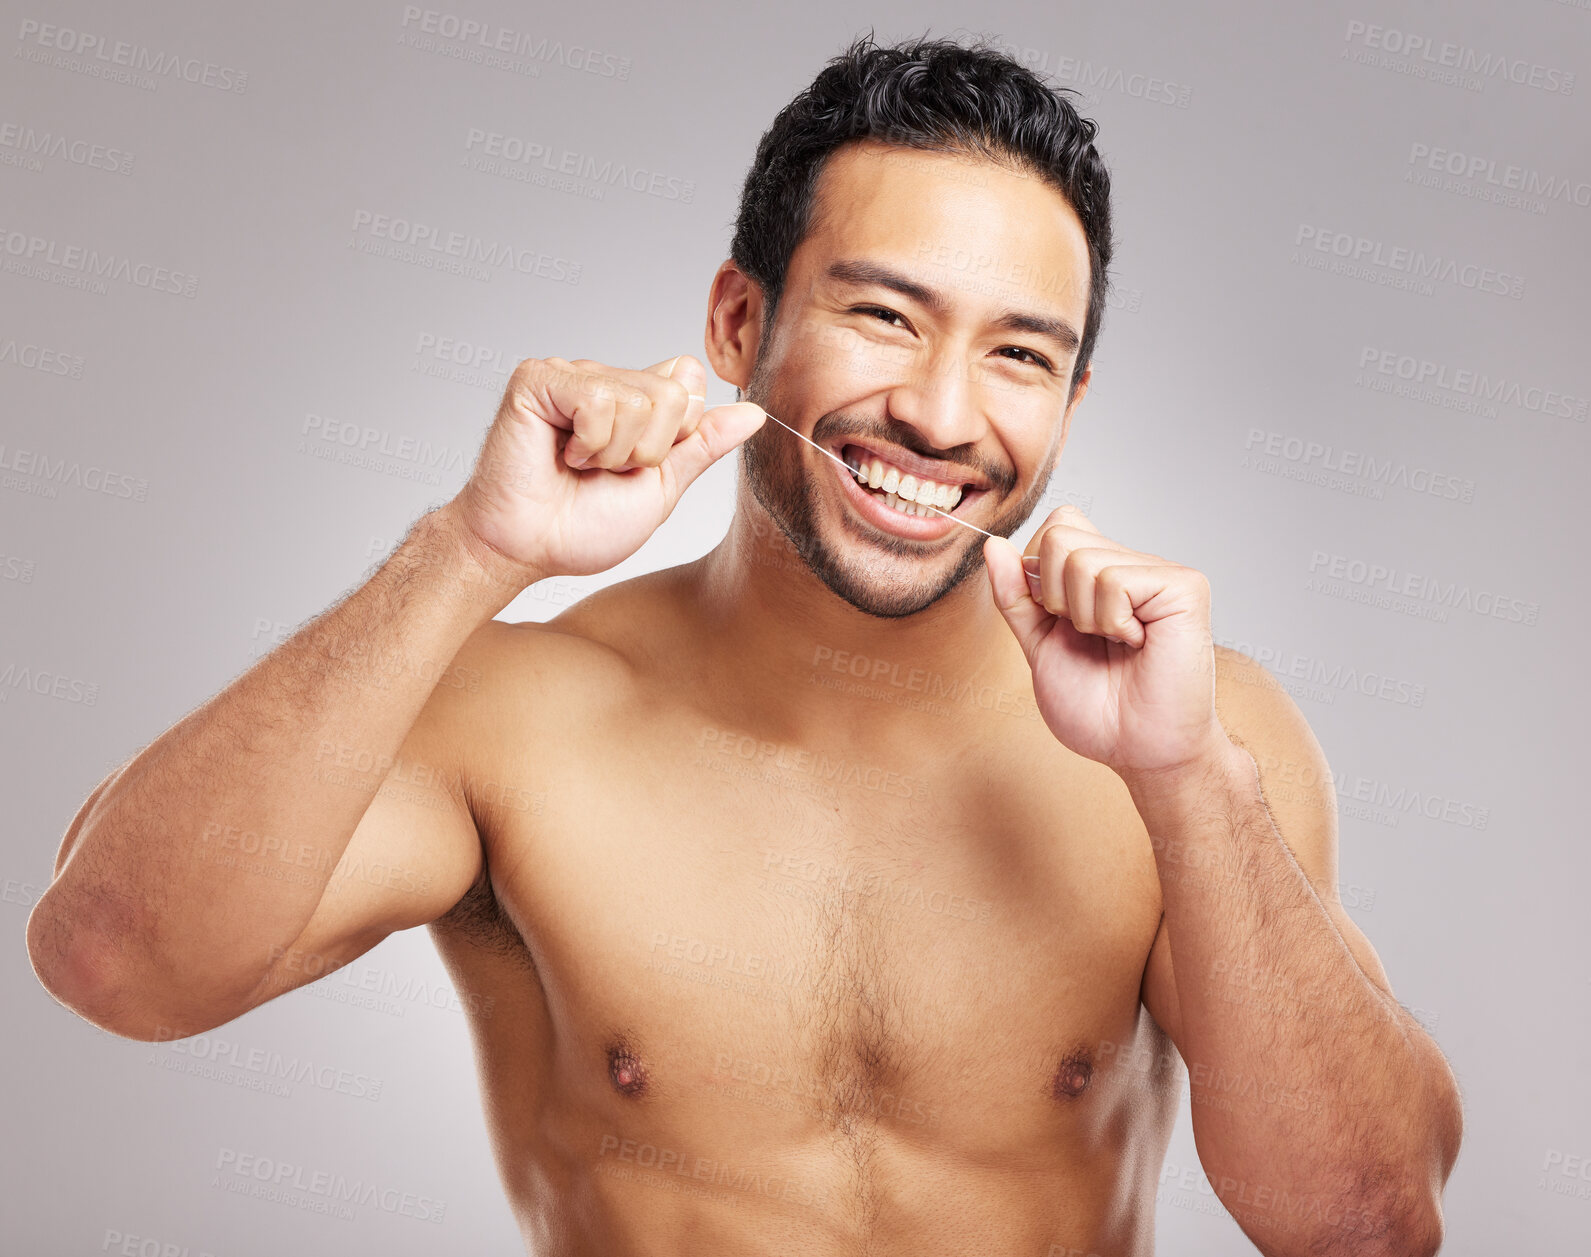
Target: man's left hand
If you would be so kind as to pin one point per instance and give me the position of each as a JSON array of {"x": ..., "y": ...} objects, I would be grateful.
[{"x": 1119, "y": 643}]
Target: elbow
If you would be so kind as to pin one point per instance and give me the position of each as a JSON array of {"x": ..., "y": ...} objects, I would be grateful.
[
  {"x": 1400, "y": 1228},
  {"x": 93, "y": 974},
  {"x": 1418, "y": 1233},
  {"x": 82, "y": 970},
  {"x": 1425, "y": 1237}
]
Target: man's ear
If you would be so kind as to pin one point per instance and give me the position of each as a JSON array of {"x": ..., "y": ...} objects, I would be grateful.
[
  {"x": 734, "y": 324},
  {"x": 1083, "y": 381}
]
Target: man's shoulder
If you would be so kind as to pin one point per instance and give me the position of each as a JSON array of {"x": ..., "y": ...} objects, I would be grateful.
[
  {"x": 1245, "y": 687},
  {"x": 598, "y": 646},
  {"x": 1261, "y": 716}
]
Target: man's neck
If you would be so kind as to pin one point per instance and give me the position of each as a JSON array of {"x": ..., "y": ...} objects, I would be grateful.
[{"x": 778, "y": 639}]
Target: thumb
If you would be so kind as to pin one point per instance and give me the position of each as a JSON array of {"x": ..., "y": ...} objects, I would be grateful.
[
  {"x": 1009, "y": 585},
  {"x": 722, "y": 428}
]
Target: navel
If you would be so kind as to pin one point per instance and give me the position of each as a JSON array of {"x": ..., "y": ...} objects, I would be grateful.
[
  {"x": 625, "y": 1070},
  {"x": 1073, "y": 1076}
]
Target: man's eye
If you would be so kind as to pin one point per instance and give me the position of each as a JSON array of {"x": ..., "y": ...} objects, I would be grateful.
[
  {"x": 1035, "y": 357},
  {"x": 888, "y": 314}
]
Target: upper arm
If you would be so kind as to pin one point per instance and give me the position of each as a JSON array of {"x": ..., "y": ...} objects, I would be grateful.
[
  {"x": 415, "y": 852},
  {"x": 1262, "y": 718}
]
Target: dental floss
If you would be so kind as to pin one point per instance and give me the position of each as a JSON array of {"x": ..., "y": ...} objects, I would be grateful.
[{"x": 857, "y": 471}]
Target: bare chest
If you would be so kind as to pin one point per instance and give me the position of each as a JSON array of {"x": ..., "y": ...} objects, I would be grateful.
[{"x": 831, "y": 942}]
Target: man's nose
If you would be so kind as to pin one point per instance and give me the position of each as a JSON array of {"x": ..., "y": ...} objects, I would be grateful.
[{"x": 938, "y": 396}]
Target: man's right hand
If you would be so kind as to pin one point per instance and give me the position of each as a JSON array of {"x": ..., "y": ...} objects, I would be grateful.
[{"x": 636, "y": 439}]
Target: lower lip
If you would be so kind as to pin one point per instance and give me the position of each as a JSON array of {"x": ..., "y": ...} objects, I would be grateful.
[{"x": 871, "y": 507}]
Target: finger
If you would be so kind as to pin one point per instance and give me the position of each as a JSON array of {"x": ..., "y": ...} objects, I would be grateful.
[
  {"x": 1051, "y": 583},
  {"x": 1114, "y": 613},
  {"x": 662, "y": 406},
  {"x": 1008, "y": 583},
  {"x": 1080, "y": 569},
  {"x": 1156, "y": 591},
  {"x": 618, "y": 408},
  {"x": 1069, "y": 517},
  {"x": 1073, "y": 515},
  {"x": 1086, "y": 585},
  {"x": 632, "y": 402},
  {"x": 690, "y": 372},
  {"x": 675, "y": 412},
  {"x": 589, "y": 401},
  {"x": 722, "y": 429}
]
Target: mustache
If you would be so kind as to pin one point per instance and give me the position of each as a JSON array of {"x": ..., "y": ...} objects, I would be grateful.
[{"x": 893, "y": 432}]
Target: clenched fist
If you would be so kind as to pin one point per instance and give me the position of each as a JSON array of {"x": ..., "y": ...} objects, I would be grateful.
[
  {"x": 584, "y": 461},
  {"x": 1119, "y": 643}
]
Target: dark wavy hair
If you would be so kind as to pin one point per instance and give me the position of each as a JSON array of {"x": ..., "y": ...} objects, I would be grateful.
[{"x": 930, "y": 94}]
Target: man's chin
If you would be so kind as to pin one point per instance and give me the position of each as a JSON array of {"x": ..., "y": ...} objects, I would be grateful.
[{"x": 880, "y": 580}]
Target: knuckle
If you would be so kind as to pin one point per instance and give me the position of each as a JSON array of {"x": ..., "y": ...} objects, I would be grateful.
[{"x": 676, "y": 393}]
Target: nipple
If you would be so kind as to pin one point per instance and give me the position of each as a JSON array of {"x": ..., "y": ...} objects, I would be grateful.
[
  {"x": 625, "y": 1071},
  {"x": 1073, "y": 1077}
]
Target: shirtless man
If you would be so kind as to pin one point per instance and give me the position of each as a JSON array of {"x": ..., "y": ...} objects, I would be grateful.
[{"x": 841, "y": 891}]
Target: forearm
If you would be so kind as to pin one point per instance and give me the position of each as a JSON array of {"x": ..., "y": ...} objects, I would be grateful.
[
  {"x": 215, "y": 844},
  {"x": 1319, "y": 1104}
]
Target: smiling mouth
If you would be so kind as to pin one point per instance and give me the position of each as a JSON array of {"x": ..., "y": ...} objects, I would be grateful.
[{"x": 902, "y": 491}]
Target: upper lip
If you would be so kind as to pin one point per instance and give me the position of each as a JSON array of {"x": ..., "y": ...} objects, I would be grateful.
[{"x": 922, "y": 468}]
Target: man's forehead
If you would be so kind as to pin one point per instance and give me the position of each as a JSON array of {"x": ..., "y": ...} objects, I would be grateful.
[{"x": 981, "y": 232}]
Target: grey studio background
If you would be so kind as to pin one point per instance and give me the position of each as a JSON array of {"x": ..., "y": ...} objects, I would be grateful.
[{"x": 1344, "y": 373}]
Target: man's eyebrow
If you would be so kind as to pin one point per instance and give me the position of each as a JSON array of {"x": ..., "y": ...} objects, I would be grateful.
[{"x": 856, "y": 271}]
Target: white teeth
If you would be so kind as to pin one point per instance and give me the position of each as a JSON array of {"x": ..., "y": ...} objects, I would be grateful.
[
  {"x": 905, "y": 507},
  {"x": 910, "y": 495}
]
